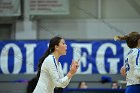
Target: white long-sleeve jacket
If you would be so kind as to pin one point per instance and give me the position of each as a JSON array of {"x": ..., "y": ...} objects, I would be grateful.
[
  {"x": 51, "y": 76},
  {"x": 132, "y": 64}
]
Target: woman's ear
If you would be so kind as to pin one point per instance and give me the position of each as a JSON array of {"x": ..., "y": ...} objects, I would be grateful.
[{"x": 56, "y": 47}]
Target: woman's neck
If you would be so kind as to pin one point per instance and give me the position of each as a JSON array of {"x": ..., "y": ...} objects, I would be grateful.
[
  {"x": 56, "y": 55},
  {"x": 138, "y": 46}
]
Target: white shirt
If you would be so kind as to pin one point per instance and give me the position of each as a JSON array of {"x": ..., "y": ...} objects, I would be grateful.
[
  {"x": 51, "y": 76},
  {"x": 132, "y": 64}
]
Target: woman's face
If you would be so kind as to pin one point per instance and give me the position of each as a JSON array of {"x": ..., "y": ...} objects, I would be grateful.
[{"x": 62, "y": 47}]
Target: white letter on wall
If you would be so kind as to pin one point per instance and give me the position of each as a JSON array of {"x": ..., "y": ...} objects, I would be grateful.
[
  {"x": 17, "y": 59},
  {"x": 30, "y": 58},
  {"x": 83, "y": 59},
  {"x": 100, "y": 60}
]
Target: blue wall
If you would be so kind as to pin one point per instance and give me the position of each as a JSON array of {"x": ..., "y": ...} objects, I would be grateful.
[{"x": 97, "y": 56}]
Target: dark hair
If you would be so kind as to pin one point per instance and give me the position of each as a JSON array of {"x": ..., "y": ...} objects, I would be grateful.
[
  {"x": 54, "y": 41},
  {"x": 131, "y": 39}
]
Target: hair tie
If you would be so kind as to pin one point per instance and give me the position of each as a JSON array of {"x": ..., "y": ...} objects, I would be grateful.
[{"x": 116, "y": 38}]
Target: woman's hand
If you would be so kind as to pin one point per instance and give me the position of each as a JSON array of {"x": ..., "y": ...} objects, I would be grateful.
[
  {"x": 74, "y": 66},
  {"x": 123, "y": 71},
  {"x": 73, "y": 69}
]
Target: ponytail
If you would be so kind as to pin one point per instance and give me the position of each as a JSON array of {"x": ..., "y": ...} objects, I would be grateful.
[
  {"x": 41, "y": 61},
  {"x": 131, "y": 39},
  {"x": 121, "y": 37}
]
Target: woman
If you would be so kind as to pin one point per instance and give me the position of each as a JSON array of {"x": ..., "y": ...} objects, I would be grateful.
[
  {"x": 50, "y": 72},
  {"x": 132, "y": 62}
]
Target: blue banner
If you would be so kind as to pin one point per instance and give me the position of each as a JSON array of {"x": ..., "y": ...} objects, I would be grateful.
[{"x": 99, "y": 56}]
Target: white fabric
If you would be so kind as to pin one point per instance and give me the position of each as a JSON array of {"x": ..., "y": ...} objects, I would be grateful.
[
  {"x": 51, "y": 76},
  {"x": 132, "y": 64}
]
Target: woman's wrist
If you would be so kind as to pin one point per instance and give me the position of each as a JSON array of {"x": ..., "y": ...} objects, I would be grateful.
[{"x": 69, "y": 75}]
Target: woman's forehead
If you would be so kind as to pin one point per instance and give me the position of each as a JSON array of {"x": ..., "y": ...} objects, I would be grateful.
[{"x": 62, "y": 40}]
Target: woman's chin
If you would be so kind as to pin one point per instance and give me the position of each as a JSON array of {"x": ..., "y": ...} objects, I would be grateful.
[{"x": 65, "y": 53}]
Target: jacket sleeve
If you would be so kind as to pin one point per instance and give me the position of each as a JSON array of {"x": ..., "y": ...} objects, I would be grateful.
[
  {"x": 55, "y": 76},
  {"x": 137, "y": 65},
  {"x": 62, "y": 75}
]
